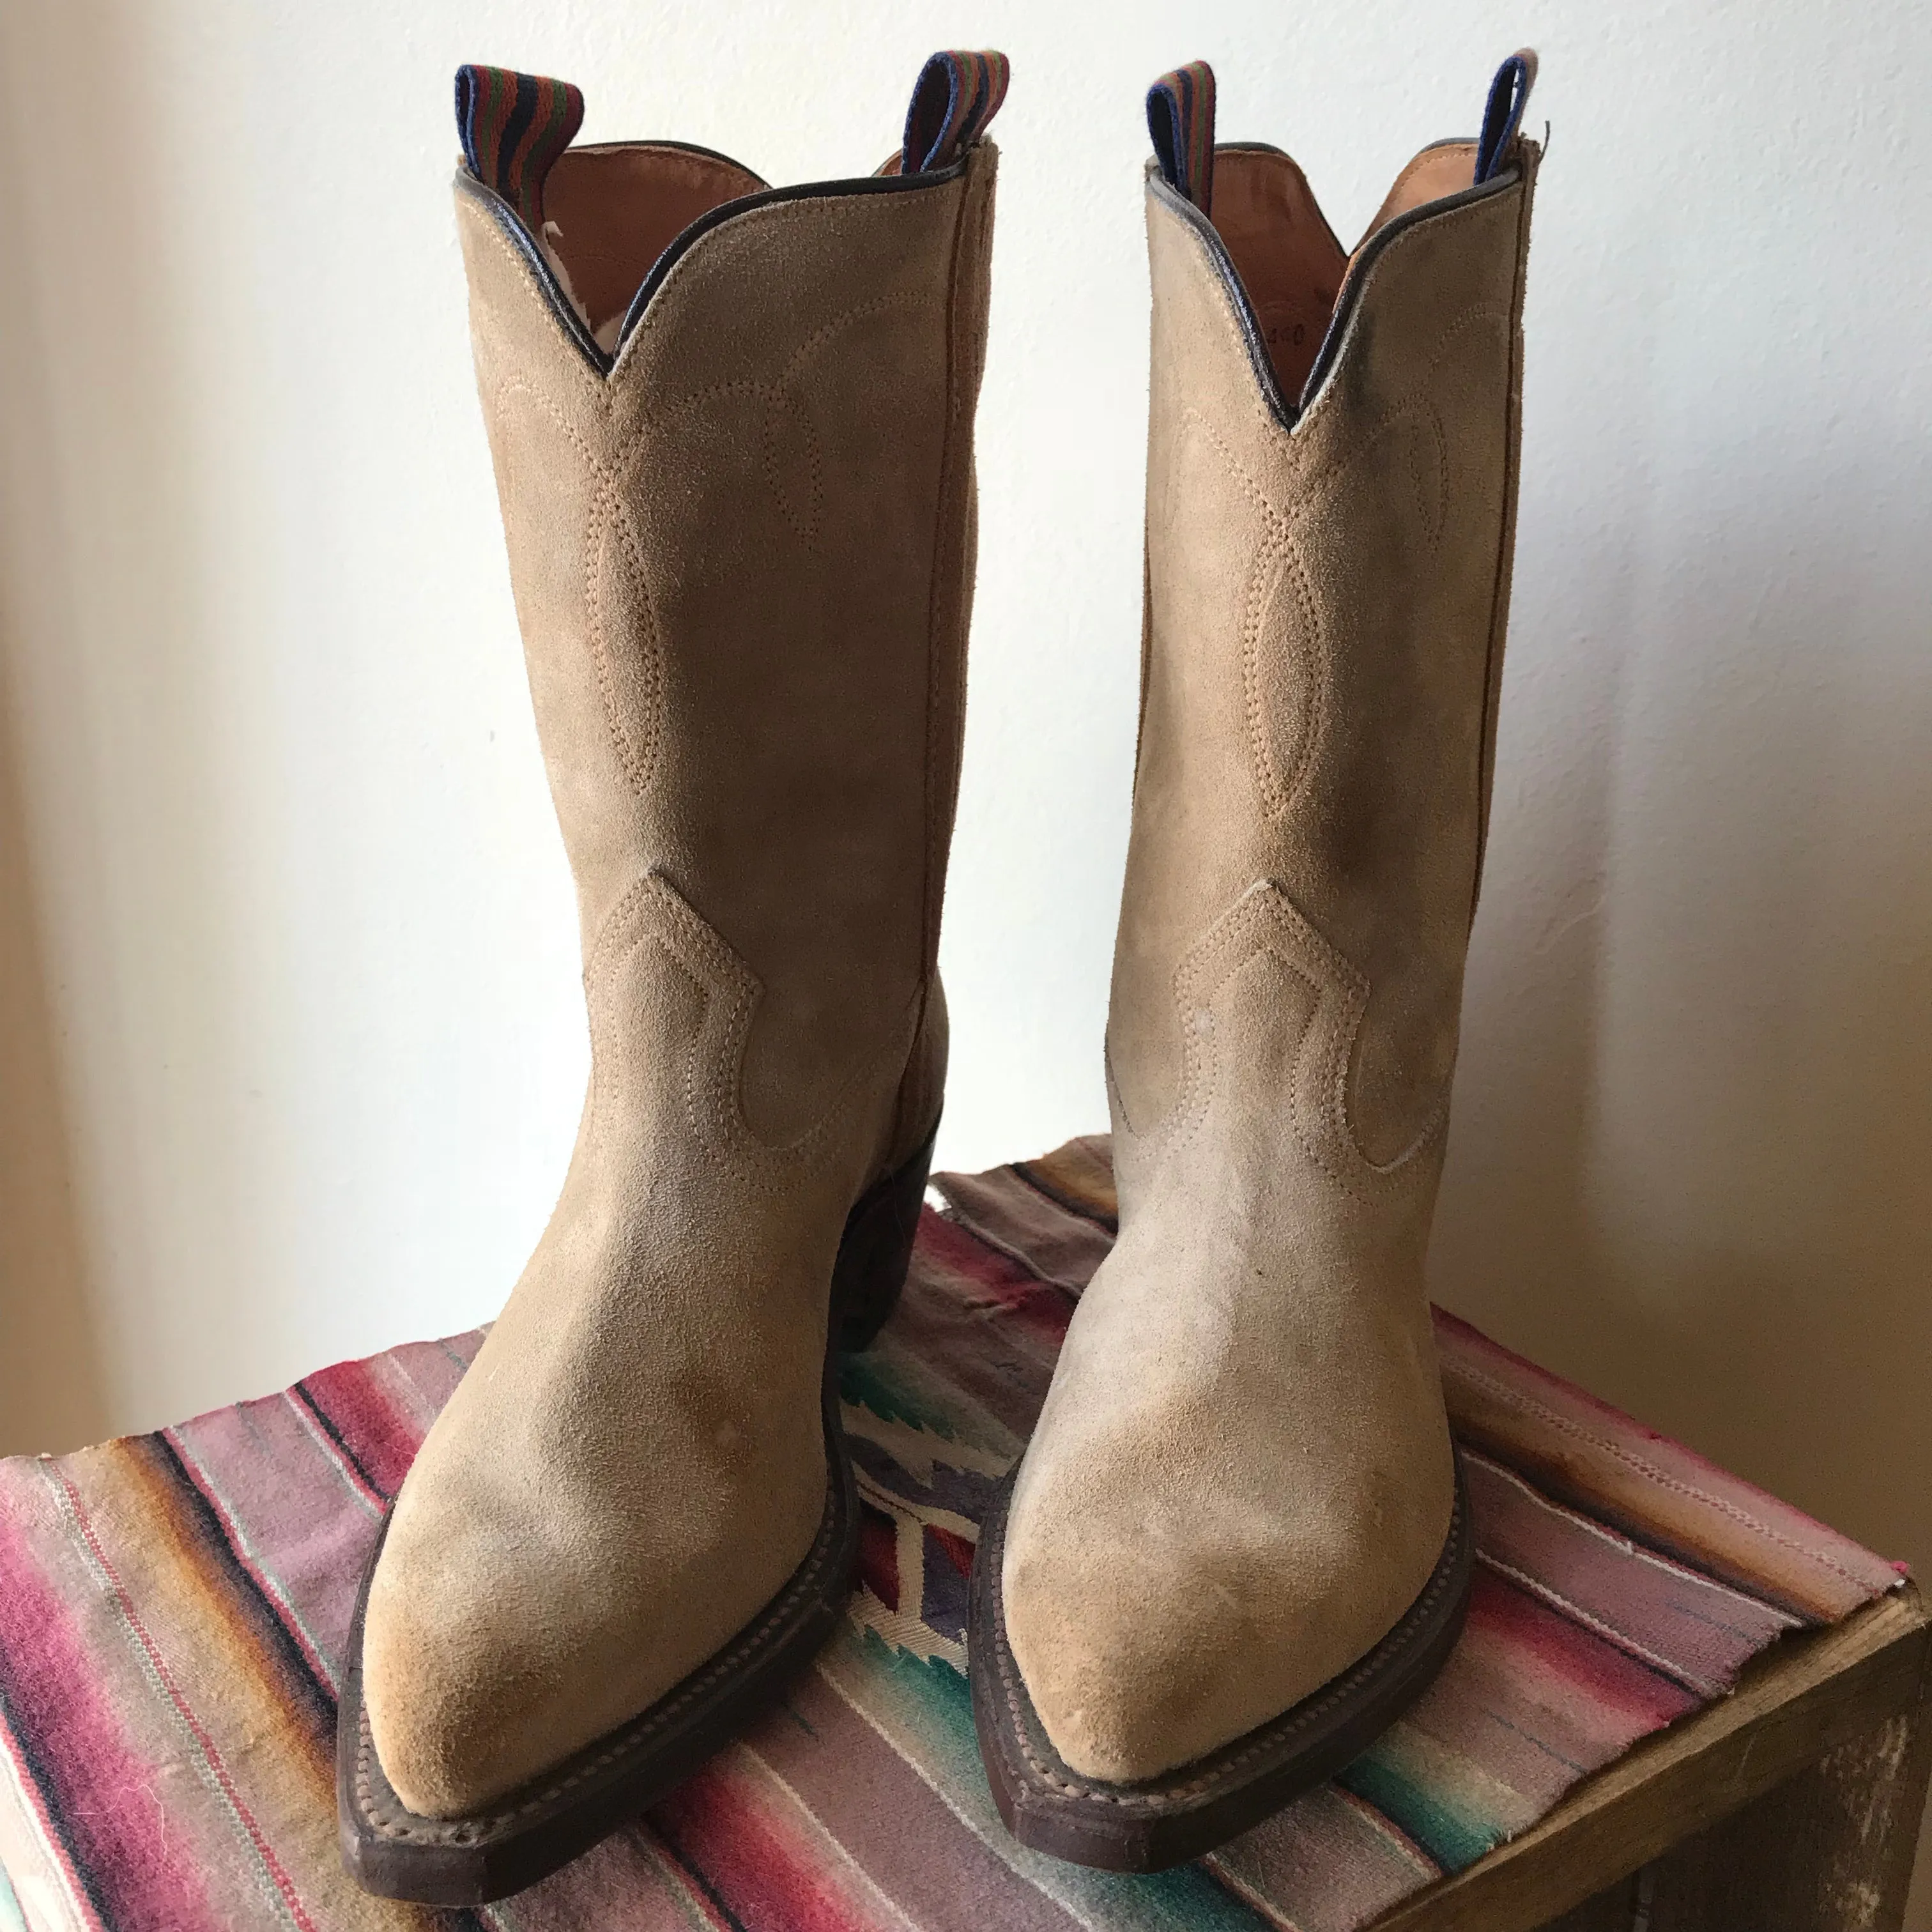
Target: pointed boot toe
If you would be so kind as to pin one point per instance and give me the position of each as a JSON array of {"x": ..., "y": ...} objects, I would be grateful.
[
  {"x": 439, "y": 1659},
  {"x": 506, "y": 1628},
  {"x": 1081, "y": 1741},
  {"x": 560, "y": 1625},
  {"x": 1179, "y": 1623},
  {"x": 1153, "y": 1622}
]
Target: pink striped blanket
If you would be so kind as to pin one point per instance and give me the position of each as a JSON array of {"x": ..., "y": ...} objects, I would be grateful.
[{"x": 173, "y": 1606}]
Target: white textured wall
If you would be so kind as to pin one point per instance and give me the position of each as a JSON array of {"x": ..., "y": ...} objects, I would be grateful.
[{"x": 303, "y": 956}]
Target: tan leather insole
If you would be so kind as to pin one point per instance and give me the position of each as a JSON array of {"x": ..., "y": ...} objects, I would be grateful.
[
  {"x": 1285, "y": 253},
  {"x": 616, "y": 208}
]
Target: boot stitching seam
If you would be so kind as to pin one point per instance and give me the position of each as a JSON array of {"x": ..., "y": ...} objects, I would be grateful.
[
  {"x": 1267, "y": 905},
  {"x": 604, "y": 480},
  {"x": 930, "y": 863}
]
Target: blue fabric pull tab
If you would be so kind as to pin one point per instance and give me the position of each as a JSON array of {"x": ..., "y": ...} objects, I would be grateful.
[
  {"x": 1180, "y": 118},
  {"x": 1509, "y": 95},
  {"x": 958, "y": 94}
]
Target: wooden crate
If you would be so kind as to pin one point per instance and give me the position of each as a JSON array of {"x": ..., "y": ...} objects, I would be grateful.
[{"x": 1793, "y": 1806}]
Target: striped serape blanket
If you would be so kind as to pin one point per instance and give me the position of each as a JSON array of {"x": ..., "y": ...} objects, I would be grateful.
[{"x": 173, "y": 1606}]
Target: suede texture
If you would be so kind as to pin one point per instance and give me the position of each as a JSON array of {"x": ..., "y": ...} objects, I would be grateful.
[
  {"x": 743, "y": 563},
  {"x": 1243, "y": 1476}
]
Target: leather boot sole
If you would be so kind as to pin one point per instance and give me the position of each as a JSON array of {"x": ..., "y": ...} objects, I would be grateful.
[
  {"x": 1187, "y": 1812},
  {"x": 526, "y": 1835}
]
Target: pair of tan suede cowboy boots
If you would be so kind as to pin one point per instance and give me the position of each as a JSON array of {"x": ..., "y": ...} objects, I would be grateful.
[{"x": 733, "y": 433}]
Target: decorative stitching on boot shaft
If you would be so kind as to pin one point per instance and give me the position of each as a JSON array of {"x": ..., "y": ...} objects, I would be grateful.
[
  {"x": 635, "y": 746},
  {"x": 636, "y": 749},
  {"x": 1281, "y": 782},
  {"x": 634, "y": 727},
  {"x": 653, "y": 910},
  {"x": 1265, "y": 919}
]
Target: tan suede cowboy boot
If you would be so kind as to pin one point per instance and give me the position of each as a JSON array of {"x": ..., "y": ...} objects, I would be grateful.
[
  {"x": 1235, "y": 1548},
  {"x": 733, "y": 433}
]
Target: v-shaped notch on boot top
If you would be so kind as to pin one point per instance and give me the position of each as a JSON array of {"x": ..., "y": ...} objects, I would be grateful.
[
  {"x": 1238, "y": 1508},
  {"x": 603, "y": 225},
  {"x": 742, "y": 555},
  {"x": 1291, "y": 281}
]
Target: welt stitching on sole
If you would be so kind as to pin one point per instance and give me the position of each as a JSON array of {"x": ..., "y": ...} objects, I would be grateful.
[
  {"x": 382, "y": 1816},
  {"x": 473, "y": 1831},
  {"x": 1065, "y": 1789}
]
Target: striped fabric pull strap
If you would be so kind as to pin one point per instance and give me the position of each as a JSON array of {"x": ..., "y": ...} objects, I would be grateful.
[
  {"x": 1509, "y": 95},
  {"x": 513, "y": 127},
  {"x": 1180, "y": 118},
  {"x": 957, "y": 93}
]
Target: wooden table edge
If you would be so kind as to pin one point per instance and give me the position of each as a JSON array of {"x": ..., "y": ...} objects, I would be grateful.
[{"x": 1803, "y": 1697}]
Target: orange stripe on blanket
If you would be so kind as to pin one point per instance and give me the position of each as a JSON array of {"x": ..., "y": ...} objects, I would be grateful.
[{"x": 255, "y": 1722}]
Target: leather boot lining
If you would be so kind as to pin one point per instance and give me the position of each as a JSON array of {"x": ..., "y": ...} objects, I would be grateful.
[
  {"x": 1287, "y": 256},
  {"x": 1447, "y": 168},
  {"x": 610, "y": 211}
]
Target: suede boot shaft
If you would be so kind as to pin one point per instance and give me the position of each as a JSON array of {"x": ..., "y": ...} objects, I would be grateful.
[
  {"x": 742, "y": 559},
  {"x": 1243, "y": 1480}
]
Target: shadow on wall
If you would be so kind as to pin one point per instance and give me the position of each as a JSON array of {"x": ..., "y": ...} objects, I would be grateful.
[
  {"x": 1693, "y": 1123},
  {"x": 50, "y": 1382},
  {"x": 118, "y": 948},
  {"x": 53, "y": 1383}
]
